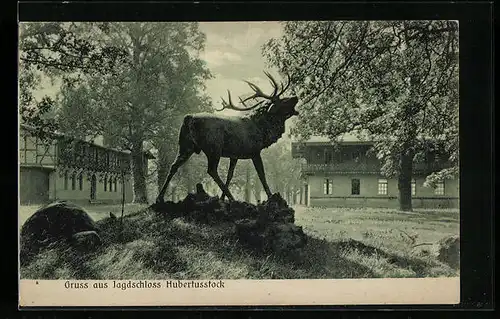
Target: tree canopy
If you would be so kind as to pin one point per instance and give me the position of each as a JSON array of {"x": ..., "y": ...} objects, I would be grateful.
[{"x": 62, "y": 50}]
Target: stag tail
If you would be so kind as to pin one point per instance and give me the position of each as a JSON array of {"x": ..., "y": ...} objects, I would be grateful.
[{"x": 187, "y": 135}]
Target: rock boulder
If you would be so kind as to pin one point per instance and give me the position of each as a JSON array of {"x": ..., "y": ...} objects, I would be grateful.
[
  {"x": 57, "y": 221},
  {"x": 449, "y": 251}
]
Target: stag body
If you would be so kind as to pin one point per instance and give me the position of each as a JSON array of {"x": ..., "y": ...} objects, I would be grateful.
[{"x": 233, "y": 137}]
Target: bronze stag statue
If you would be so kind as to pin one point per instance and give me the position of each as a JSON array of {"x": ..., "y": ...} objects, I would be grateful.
[{"x": 235, "y": 137}]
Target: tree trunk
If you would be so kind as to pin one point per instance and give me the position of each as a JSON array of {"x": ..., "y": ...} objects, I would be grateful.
[
  {"x": 138, "y": 169},
  {"x": 257, "y": 189},
  {"x": 163, "y": 166},
  {"x": 301, "y": 199},
  {"x": 294, "y": 196},
  {"x": 248, "y": 185},
  {"x": 404, "y": 181}
]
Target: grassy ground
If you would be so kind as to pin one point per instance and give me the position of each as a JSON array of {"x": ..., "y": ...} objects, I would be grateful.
[{"x": 342, "y": 243}]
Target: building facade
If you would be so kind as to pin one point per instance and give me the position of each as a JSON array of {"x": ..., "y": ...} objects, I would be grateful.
[
  {"x": 62, "y": 168},
  {"x": 348, "y": 175}
]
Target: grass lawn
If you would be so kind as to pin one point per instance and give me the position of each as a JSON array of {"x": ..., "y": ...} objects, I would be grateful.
[
  {"x": 386, "y": 228},
  {"x": 342, "y": 243}
]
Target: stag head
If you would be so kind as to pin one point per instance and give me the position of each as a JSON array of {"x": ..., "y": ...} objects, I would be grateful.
[{"x": 276, "y": 105}]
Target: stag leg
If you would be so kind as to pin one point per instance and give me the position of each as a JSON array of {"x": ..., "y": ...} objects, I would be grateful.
[
  {"x": 179, "y": 161},
  {"x": 230, "y": 172},
  {"x": 259, "y": 167},
  {"x": 213, "y": 164}
]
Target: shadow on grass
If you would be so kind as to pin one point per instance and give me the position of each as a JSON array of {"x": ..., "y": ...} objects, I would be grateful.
[
  {"x": 152, "y": 240},
  {"x": 419, "y": 266},
  {"x": 60, "y": 261},
  {"x": 323, "y": 259},
  {"x": 319, "y": 259}
]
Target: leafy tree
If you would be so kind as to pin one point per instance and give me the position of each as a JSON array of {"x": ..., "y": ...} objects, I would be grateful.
[
  {"x": 58, "y": 50},
  {"x": 244, "y": 180},
  {"x": 140, "y": 100},
  {"x": 282, "y": 171},
  {"x": 393, "y": 81}
]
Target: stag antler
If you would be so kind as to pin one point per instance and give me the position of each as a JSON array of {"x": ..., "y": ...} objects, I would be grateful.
[
  {"x": 285, "y": 87},
  {"x": 258, "y": 94},
  {"x": 231, "y": 106},
  {"x": 275, "y": 95}
]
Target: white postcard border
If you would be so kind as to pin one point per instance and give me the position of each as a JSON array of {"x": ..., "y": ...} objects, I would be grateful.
[{"x": 386, "y": 291}]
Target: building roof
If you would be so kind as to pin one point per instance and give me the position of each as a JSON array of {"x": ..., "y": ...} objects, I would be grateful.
[
  {"x": 357, "y": 138},
  {"x": 346, "y": 138},
  {"x": 59, "y": 134}
]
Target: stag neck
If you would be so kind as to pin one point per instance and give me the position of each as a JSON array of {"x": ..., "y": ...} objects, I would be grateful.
[{"x": 271, "y": 127}]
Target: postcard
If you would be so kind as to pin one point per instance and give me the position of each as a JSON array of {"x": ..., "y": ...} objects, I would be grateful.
[{"x": 238, "y": 163}]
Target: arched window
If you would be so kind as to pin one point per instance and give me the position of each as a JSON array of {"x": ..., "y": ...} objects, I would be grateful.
[
  {"x": 65, "y": 181},
  {"x": 80, "y": 181},
  {"x": 355, "y": 186}
]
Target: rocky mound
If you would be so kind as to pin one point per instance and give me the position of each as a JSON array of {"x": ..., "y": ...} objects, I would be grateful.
[{"x": 266, "y": 227}]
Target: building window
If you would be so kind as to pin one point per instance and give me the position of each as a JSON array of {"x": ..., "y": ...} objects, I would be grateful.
[
  {"x": 382, "y": 187},
  {"x": 413, "y": 187},
  {"x": 73, "y": 181},
  {"x": 439, "y": 189},
  {"x": 356, "y": 155},
  {"x": 110, "y": 184},
  {"x": 114, "y": 182},
  {"x": 355, "y": 186},
  {"x": 328, "y": 156},
  {"x": 65, "y": 181},
  {"x": 328, "y": 187},
  {"x": 80, "y": 181},
  {"x": 105, "y": 183}
]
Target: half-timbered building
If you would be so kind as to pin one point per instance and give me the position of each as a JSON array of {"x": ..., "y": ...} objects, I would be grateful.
[{"x": 58, "y": 167}]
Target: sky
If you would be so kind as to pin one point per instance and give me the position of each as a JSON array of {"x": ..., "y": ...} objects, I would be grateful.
[{"x": 232, "y": 53}]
